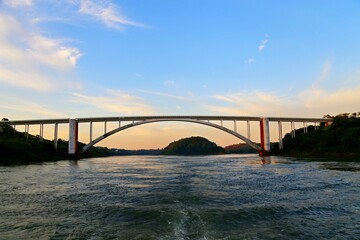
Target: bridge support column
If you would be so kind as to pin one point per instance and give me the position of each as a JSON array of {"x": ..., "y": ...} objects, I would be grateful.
[
  {"x": 281, "y": 145},
  {"x": 73, "y": 137},
  {"x": 264, "y": 137},
  {"x": 248, "y": 129},
  {"x": 56, "y": 136}
]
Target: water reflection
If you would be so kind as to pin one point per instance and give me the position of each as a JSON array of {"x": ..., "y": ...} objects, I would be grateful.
[
  {"x": 342, "y": 166},
  {"x": 266, "y": 160}
]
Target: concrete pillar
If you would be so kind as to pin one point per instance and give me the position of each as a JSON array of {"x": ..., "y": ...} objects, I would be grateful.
[
  {"x": 292, "y": 129},
  {"x": 91, "y": 130},
  {"x": 73, "y": 136},
  {"x": 235, "y": 126},
  {"x": 248, "y": 129},
  {"x": 264, "y": 136},
  {"x": 27, "y": 131},
  {"x": 105, "y": 125},
  {"x": 41, "y": 132},
  {"x": 56, "y": 136},
  {"x": 281, "y": 145}
]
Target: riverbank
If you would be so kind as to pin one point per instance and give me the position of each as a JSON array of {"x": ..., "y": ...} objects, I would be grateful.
[
  {"x": 340, "y": 140},
  {"x": 339, "y": 157},
  {"x": 18, "y": 149}
]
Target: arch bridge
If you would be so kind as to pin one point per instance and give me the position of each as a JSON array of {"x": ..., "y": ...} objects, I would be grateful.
[{"x": 211, "y": 121}]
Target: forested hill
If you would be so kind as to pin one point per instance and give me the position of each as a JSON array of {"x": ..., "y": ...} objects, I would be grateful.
[
  {"x": 342, "y": 138},
  {"x": 192, "y": 146}
]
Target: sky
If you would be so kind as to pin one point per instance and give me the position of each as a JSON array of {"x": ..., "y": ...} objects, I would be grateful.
[{"x": 92, "y": 58}]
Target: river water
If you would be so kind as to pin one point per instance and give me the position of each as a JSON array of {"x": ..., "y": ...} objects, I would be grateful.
[{"x": 160, "y": 197}]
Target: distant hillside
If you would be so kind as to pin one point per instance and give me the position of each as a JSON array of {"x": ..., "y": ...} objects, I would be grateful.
[
  {"x": 193, "y": 146},
  {"x": 16, "y": 149},
  {"x": 239, "y": 148},
  {"x": 342, "y": 138}
]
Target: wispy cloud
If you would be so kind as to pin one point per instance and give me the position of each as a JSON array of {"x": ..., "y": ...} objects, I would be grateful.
[
  {"x": 106, "y": 12},
  {"x": 314, "y": 102},
  {"x": 250, "y": 61},
  {"x": 246, "y": 103},
  {"x": 18, "y": 3},
  {"x": 189, "y": 97},
  {"x": 119, "y": 102},
  {"x": 325, "y": 72},
  {"x": 263, "y": 44},
  {"x": 170, "y": 83},
  {"x": 31, "y": 60}
]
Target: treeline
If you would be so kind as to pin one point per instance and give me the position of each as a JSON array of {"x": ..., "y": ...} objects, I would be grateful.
[
  {"x": 341, "y": 138},
  {"x": 16, "y": 148}
]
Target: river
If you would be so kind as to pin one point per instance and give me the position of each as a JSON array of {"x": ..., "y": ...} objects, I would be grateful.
[{"x": 168, "y": 197}]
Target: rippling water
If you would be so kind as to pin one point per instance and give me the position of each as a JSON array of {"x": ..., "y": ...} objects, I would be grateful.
[{"x": 158, "y": 197}]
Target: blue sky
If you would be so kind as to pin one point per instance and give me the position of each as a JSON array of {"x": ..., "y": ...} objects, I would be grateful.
[{"x": 82, "y": 58}]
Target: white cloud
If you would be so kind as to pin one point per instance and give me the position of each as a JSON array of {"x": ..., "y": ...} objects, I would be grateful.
[
  {"x": 324, "y": 74},
  {"x": 263, "y": 44},
  {"x": 250, "y": 61},
  {"x": 18, "y": 3},
  {"x": 332, "y": 102},
  {"x": 313, "y": 102},
  {"x": 246, "y": 103},
  {"x": 170, "y": 83},
  {"x": 189, "y": 97},
  {"x": 106, "y": 12},
  {"x": 119, "y": 102},
  {"x": 31, "y": 60}
]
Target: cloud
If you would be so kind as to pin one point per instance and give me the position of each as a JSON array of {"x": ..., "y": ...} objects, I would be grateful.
[
  {"x": 170, "y": 83},
  {"x": 119, "y": 102},
  {"x": 263, "y": 44},
  {"x": 31, "y": 60},
  {"x": 246, "y": 103},
  {"x": 106, "y": 12},
  {"x": 325, "y": 72},
  {"x": 332, "y": 102},
  {"x": 166, "y": 95},
  {"x": 250, "y": 61},
  {"x": 31, "y": 109},
  {"x": 312, "y": 102},
  {"x": 18, "y": 3}
]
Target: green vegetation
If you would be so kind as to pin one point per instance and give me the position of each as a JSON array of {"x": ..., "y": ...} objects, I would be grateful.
[
  {"x": 340, "y": 139},
  {"x": 16, "y": 149},
  {"x": 239, "y": 149},
  {"x": 193, "y": 146}
]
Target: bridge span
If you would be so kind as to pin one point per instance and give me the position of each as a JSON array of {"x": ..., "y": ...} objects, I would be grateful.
[{"x": 134, "y": 121}]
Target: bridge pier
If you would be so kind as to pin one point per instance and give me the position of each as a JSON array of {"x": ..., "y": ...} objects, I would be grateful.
[
  {"x": 264, "y": 137},
  {"x": 56, "y": 136},
  {"x": 73, "y": 137}
]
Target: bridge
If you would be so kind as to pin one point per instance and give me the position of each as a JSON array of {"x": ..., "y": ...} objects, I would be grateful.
[{"x": 134, "y": 121}]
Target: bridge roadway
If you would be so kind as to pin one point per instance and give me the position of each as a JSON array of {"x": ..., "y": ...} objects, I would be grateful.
[
  {"x": 142, "y": 118},
  {"x": 264, "y": 147}
]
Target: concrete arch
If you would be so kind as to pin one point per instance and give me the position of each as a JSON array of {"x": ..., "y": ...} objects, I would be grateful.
[{"x": 246, "y": 140}]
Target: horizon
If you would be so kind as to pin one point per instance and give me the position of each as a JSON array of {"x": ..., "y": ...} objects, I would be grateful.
[{"x": 92, "y": 58}]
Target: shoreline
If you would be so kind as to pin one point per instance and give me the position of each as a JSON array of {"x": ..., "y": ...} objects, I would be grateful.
[{"x": 340, "y": 157}]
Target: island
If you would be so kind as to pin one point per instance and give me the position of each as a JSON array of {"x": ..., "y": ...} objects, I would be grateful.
[{"x": 193, "y": 146}]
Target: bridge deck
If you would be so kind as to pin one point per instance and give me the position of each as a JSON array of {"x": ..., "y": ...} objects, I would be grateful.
[{"x": 142, "y": 118}]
